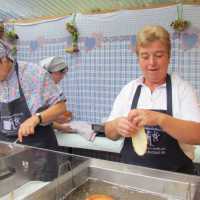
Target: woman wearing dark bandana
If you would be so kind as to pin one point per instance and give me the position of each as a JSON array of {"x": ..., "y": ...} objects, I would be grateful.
[{"x": 29, "y": 101}]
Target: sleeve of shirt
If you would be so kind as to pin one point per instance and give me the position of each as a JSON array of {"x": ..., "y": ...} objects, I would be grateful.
[
  {"x": 38, "y": 87},
  {"x": 185, "y": 106},
  {"x": 122, "y": 103},
  {"x": 188, "y": 102}
]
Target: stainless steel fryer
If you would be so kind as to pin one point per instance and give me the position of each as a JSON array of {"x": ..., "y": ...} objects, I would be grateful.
[
  {"x": 140, "y": 183},
  {"x": 70, "y": 177}
]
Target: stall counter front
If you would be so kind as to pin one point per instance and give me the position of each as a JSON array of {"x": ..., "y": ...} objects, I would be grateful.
[
  {"x": 75, "y": 140},
  {"x": 84, "y": 139}
]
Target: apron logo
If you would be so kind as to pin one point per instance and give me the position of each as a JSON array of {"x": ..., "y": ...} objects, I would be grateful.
[
  {"x": 11, "y": 123},
  {"x": 153, "y": 136}
]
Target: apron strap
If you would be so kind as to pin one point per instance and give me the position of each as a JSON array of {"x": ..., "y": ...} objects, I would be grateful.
[
  {"x": 17, "y": 72},
  {"x": 169, "y": 95},
  {"x": 136, "y": 97},
  {"x": 20, "y": 88}
]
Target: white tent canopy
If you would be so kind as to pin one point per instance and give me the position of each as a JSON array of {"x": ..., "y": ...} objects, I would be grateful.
[{"x": 30, "y": 9}]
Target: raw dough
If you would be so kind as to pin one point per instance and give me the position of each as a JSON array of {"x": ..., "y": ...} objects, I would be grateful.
[{"x": 139, "y": 142}]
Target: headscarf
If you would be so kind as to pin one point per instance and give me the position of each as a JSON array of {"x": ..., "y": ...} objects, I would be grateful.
[{"x": 53, "y": 64}]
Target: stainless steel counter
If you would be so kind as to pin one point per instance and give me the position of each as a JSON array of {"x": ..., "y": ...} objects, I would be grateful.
[{"x": 64, "y": 176}]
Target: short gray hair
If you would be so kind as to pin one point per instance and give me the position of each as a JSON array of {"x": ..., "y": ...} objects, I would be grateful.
[{"x": 150, "y": 34}]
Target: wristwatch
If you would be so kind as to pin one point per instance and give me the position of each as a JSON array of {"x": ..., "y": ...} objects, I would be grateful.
[{"x": 39, "y": 117}]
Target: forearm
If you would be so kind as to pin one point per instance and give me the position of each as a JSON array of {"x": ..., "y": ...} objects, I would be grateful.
[
  {"x": 111, "y": 130},
  {"x": 184, "y": 131},
  {"x": 53, "y": 112},
  {"x": 48, "y": 115}
]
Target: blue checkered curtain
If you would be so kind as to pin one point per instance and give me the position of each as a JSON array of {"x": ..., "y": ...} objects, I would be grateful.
[{"x": 107, "y": 60}]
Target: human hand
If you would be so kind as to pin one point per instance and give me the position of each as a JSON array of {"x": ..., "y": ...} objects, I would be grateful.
[
  {"x": 142, "y": 117},
  {"x": 64, "y": 118},
  {"x": 66, "y": 129},
  {"x": 28, "y": 127},
  {"x": 125, "y": 128}
]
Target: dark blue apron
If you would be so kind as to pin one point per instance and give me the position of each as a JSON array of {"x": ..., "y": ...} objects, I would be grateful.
[
  {"x": 163, "y": 151},
  {"x": 15, "y": 112}
]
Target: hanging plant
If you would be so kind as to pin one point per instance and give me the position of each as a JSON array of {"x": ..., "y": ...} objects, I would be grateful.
[
  {"x": 72, "y": 29},
  {"x": 180, "y": 24},
  {"x": 2, "y": 29},
  {"x": 11, "y": 36}
]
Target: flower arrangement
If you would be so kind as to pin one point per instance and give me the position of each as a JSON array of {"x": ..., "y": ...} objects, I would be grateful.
[
  {"x": 180, "y": 24},
  {"x": 2, "y": 30},
  {"x": 11, "y": 36},
  {"x": 72, "y": 29},
  {"x": 2, "y": 27}
]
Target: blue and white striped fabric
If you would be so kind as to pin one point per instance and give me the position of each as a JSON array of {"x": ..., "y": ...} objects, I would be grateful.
[{"x": 106, "y": 60}]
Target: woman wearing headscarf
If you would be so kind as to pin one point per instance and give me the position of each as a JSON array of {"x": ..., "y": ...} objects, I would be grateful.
[{"x": 57, "y": 68}]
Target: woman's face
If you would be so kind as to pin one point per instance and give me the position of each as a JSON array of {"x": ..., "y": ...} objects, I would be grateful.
[
  {"x": 58, "y": 76},
  {"x": 5, "y": 68},
  {"x": 154, "y": 61}
]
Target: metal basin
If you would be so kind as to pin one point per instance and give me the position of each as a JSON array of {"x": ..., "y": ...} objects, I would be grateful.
[
  {"x": 122, "y": 182},
  {"x": 118, "y": 192},
  {"x": 70, "y": 177}
]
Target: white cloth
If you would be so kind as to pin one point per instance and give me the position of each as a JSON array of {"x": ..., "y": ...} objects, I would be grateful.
[
  {"x": 184, "y": 102},
  {"x": 84, "y": 129}
]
